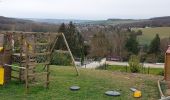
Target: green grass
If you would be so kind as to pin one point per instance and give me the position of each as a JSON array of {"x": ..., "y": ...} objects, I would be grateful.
[
  {"x": 149, "y": 34},
  {"x": 93, "y": 84},
  {"x": 153, "y": 71}
]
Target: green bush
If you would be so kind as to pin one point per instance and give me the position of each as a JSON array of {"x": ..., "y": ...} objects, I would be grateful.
[
  {"x": 151, "y": 58},
  {"x": 134, "y": 64},
  {"x": 61, "y": 59},
  {"x": 161, "y": 58},
  {"x": 161, "y": 73}
]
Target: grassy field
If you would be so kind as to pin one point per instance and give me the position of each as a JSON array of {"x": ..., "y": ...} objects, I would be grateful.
[
  {"x": 149, "y": 33},
  {"x": 93, "y": 84},
  {"x": 153, "y": 71}
]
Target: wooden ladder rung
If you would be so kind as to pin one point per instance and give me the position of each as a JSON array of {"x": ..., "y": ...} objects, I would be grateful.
[
  {"x": 36, "y": 74},
  {"x": 38, "y": 83},
  {"x": 18, "y": 54},
  {"x": 31, "y": 68},
  {"x": 31, "y": 60},
  {"x": 39, "y": 54},
  {"x": 40, "y": 43},
  {"x": 15, "y": 70},
  {"x": 15, "y": 77},
  {"x": 61, "y": 51},
  {"x": 34, "y": 64}
]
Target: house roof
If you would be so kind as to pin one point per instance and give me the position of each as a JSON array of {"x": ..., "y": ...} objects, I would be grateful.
[{"x": 168, "y": 50}]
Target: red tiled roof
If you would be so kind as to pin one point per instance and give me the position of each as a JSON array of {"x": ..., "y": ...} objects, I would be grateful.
[{"x": 168, "y": 50}]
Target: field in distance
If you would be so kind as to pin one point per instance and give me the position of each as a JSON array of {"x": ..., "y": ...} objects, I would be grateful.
[{"x": 149, "y": 33}]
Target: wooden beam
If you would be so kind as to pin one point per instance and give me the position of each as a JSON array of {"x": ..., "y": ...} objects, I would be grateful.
[
  {"x": 40, "y": 44},
  {"x": 14, "y": 66},
  {"x": 14, "y": 77},
  {"x": 38, "y": 74},
  {"x": 61, "y": 51},
  {"x": 15, "y": 70},
  {"x": 40, "y": 54},
  {"x": 70, "y": 54},
  {"x": 54, "y": 44},
  {"x": 27, "y": 66},
  {"x": 20, "y": 54}
]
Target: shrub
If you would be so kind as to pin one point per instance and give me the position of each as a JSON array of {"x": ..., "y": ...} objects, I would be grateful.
[
  {"x": 161, "y": 73},
  {"x": 134, "y": 64},
  {"x": 61, "y": 59},
  {"x": 151, "y": 58},
  {"x": 161, "y": 58}
]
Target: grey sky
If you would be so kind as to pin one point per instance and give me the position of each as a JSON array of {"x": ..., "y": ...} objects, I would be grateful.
[{"x": 84, "y": 9}]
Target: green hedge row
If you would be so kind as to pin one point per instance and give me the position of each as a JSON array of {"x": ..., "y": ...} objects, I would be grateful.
[{"x": 61, "y": 59}]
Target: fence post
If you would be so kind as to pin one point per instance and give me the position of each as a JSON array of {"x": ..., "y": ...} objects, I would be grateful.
[
  {"x": 148, "y": 69},
  {"x": 105, "y": 66},
  {"x": 126, "y": 68}
]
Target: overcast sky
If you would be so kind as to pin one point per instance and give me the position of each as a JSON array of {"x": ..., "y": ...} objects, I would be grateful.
[{"x": 84, "y": 9}]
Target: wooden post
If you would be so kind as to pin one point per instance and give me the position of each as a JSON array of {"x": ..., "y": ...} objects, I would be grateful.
[
  {"x": 49, "y": 58},
  {"x": 126, "y": 68},
  {"x": 54, "y": 44},
  {"x": 148, "y": 69},
  {"x": 48, "y": 76},
  {"x": 34, "y": 50},
  {"x": 7, "y": 56},
  {"x": 165, "y": 67},
  {"x": 26, "y": 70},
  {"x": 21, "y": 57},
  {"x": 105, "y": 65},
  {"x": 70, "y": 54}
]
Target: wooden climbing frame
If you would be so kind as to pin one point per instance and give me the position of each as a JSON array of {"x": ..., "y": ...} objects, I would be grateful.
[{"x": 32, "y": 51}]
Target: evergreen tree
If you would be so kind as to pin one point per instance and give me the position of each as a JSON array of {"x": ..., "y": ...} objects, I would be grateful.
[
  {"x": 75, "y": 41},
  {"x": 132, "y": 44},
  {"x": 155, "y": 45},
  {"x": 60, "y": 42}
]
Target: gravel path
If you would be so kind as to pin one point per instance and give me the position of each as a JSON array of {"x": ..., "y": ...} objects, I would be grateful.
[
  {"x": 152, "y": 65},
  {"x": 95, "y": 64}
]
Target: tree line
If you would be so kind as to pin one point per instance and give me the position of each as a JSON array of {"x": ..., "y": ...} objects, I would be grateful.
[
  {"x": 97, "y": 41},
  {"x": 116, "y": 42}
]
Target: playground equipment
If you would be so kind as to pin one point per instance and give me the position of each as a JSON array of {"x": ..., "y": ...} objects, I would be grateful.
[
  {"x": 28, "y": 55},
  {"x": 112, "y": 93},
  {"x": 167, "y": 65},
  {"x": 166, "y": 76},
  {"x": 74, "y": 88}
]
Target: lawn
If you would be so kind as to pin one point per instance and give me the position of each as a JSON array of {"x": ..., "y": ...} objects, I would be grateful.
[
  {"x": 153, "y": 71},
  {"x": 149, "y": 33},
  {"x": 93, "y": 84}
]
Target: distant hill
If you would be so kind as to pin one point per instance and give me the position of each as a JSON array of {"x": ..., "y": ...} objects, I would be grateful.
[
  {"x": 33, "y": 24},
  {"x": 58, "y": 21},
  {"x": 152, "y": 22},
  {"x": 7, "y": 20},
  {"x": 86, "y": 22},
  {"x": 112, "y": 21},
  {"x": 15, "y": 24}
]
